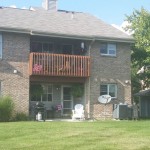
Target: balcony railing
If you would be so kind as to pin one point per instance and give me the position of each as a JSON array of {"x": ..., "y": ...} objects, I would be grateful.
[{"x": 59, "y": 65}]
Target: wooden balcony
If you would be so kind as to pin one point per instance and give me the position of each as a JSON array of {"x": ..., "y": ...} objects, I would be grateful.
[{"x": 59, "y": 65}]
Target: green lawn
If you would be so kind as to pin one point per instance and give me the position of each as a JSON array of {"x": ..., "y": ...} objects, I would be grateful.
[{"x": 97, "y": 135}]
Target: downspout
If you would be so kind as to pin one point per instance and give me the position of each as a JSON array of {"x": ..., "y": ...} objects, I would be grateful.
[{"x": 89, "y": 81}]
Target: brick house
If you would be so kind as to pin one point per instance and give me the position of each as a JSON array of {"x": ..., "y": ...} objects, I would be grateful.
[{"x": 57, "y": 49}]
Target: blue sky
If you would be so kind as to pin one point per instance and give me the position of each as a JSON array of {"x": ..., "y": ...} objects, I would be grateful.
[{"x": 110, "y": 11}]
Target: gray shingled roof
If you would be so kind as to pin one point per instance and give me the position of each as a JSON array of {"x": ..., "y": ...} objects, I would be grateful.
[
  {"x": 143, "y": 93},
  {"x": 60, "y": 23}
]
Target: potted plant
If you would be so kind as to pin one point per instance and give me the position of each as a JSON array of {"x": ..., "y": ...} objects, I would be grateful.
[
  {"x": 36, "y": 90},
  {"x": 77, "y": 90}
]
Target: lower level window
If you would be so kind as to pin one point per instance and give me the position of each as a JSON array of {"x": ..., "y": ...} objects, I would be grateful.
[
  {"x": 48, "y": 93},
  {"x": 108, "y": 89},
  {"x": 41, "y": 92}
]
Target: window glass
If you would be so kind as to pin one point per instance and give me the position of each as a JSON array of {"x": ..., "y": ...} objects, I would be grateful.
[
  {"x": 103, "y": 48},
  {"x": 103, "y": 90},
  {"x": 45, "y": 47},
  {"x": 49, "y": 97},
  {"x": 50, "y": 89},
  {"x": 46, "y": 96},
  {"x": 44, "y": 89},
  {"x": 112, "y": 49},
  {"x": 108, "y": 49},
  {"x": 67, "y": 49},
  {"x": 111, "y": 52},
  {"x": 33, "y": 47},
  {"x": 51, "y": 47},
  {"x": 67, "y": 93},
  {"x": 35, "y": 92},
  {"x": 36, "y": 47},
  {"x": 110, "y": 89},
  {"x": 35, "y": 98},
  {"x": 67, "y": 104},
  {"x": 41, "y": 47},
  {"x": 48, "y": 93}
]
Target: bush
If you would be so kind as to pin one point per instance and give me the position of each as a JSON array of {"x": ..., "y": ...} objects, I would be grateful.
[
  {"x": 21, "y": 117},
  {"x": 77, "y": 90},
  {"x": 6, "y": 108}
]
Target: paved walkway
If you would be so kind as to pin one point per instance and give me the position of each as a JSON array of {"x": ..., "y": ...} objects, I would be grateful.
[{"x": 66, "y": 120}]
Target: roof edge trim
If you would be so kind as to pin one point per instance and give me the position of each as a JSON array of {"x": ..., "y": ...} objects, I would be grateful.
[
  {"x": 30, "y": 32},
  {"x": 15, "y": 30},
  {"x": 84, "y": 37}
]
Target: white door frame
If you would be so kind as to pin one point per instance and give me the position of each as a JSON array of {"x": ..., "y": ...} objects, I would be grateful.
[{"x": 62, "y": 100}]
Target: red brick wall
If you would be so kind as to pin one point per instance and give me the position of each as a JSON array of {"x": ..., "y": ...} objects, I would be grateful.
[
  {"x": 103, "y": 70},
  {"x": 15, "y": 57},
  {"x": 107, "y": 70}
]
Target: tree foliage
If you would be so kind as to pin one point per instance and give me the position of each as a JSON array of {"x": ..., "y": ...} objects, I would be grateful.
[{"x": 139, "y": 25}]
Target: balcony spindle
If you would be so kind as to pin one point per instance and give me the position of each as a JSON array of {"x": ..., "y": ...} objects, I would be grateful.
[{"x": 59, "y": 65}]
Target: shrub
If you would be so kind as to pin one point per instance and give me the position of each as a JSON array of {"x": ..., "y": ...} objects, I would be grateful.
[
  {"x": 21, "y": 117},
  {"x": 6, "y": 108},
  {"x": 77, "y": 90}
]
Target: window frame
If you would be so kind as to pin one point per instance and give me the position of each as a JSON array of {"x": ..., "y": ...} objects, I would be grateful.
[
  {"x": 108, "y": 89},
  {"x": 37, "y": 99},
  {"x": 47, "y": 93},
  {"x": 42, "y": 50},
  {"x": 70, "y": 52},
  {"x": 108, "y": 50}
]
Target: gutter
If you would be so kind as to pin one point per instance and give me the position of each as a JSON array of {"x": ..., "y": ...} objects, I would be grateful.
[
  {"x": 89, "y": 81},
  {"x": 34, "y": 33},
  {"x": 40, "y": 33},
  {"x": 61, "y": 35},
  {"x": 112, "y": 39},
  {"x": 15, "y": 30}
]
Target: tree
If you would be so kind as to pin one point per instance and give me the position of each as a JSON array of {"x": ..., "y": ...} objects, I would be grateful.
[{"x": 139, "y": 25}]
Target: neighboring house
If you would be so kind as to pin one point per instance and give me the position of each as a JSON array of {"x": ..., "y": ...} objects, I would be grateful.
[
  {"x": 53, "y": 50},
  {"x": 144, "y": 103}
]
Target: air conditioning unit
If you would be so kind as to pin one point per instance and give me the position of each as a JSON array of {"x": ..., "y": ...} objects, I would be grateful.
[{"x": 120, "y": 111}]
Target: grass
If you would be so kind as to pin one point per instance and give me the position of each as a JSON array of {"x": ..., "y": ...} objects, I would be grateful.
[{"x": 98, "y": 135}]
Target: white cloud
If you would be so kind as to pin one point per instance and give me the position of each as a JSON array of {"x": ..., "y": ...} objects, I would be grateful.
[
  {"x": 13, "y": 6},
  {"x": 23, "y": 7},
  {"x": 122, "y": 26}
]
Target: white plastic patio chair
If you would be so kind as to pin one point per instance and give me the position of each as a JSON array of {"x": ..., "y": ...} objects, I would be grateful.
[{"x": 78, "y": 112}]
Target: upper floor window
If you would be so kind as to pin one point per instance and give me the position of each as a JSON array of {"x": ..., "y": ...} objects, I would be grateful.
[
  {"x": 67, "y": 49},
  {"x": 108, "y": 49},
  {"x": 0, "y": 45},
  {"x": 108, "y": 89},
  {"x": 41, "y": 47}
]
